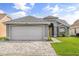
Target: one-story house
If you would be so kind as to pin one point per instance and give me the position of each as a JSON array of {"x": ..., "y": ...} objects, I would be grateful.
[
  {"x": 3, "y": 18},
  {"x": 74, "y": 28},
  {"x": 33, "y": 28}
]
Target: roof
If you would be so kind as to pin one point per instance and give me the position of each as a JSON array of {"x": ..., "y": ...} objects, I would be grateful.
[
  {"x": 76, "y": 23},
  {"x": 32, "y": 19},
  {"x": 27, "y": 20},
  {"x": 53, "y": 18},
  {"x": 50, "y": 17},
  {"x": 63, "y": 22},
  {"x": 1, "y": 16}
]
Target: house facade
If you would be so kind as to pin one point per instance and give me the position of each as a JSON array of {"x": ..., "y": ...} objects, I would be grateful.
[
  {"x": 57, "y": 26},
  {"x": 3, "y": 18},
  {"x": 74, "y": 28},
  {"x": 33, "y": 28}
]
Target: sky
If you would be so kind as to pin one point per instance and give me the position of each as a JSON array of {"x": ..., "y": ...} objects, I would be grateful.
[{"x": 65, "y": 11}]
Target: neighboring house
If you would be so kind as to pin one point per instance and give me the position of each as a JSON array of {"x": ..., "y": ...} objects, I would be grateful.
[
  {"x": 74, "y": 28},
  {"x": 32, "y": 28},
  {"x": 3, "y": 18}
]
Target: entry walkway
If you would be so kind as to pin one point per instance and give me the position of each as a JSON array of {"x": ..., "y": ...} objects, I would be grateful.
[{"x": 55, "y": 40}]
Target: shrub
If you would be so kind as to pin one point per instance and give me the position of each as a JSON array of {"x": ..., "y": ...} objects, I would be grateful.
[
  {"x": 73, "y": 35},
  {"x": 49, "y": 38},
  {"x": 3, "y": 38}
]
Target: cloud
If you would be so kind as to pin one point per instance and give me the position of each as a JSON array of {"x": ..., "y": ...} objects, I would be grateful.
[
  {"x": 24, "y": 10},
  {"x": 58, "y": 9},
  {"x": 69, "y": 13},
  {"x": 55, "y": 15},
  {"x": 32, "y": 4},
  {"x": 18, "y": 14},
  {"x": 21, "y": 6},
  {"x": 70, "y": 9},
  {"x": 47, "y": 7},
  {"x": 54, "y": 9},
  {"x": 1, "y": 11},
  {"x": 71, "y": 18},
  {"x": 76, "y": 12}
]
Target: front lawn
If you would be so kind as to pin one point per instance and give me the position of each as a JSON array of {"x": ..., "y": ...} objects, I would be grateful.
[{"x": 68, "y": 47}]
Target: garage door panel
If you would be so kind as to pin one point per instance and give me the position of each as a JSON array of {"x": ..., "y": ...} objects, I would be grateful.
[{"x": 27, "y": 32}]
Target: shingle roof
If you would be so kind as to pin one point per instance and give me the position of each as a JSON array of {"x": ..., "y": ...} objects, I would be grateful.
[
  {"x": 50, "y": 17},
  {"x": 1, "y": 16},
  {"x": 64, "y": 22},
  {"x": 76, "y": 23},
  {"x": 35, "y": 19},
  {"x": 28, "y": 19}
]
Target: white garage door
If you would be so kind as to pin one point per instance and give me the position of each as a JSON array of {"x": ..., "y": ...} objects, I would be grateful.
[{"x": 26, "y": 32}]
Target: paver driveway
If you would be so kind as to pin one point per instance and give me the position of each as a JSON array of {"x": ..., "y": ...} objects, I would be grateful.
[{"x": 26, "y": 48}]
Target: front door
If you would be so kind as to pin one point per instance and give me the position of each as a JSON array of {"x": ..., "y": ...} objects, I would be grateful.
[{"x": 51, "y": 30}]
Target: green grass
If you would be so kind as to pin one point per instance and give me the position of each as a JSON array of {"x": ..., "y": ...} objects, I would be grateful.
[{"x": 68, "y": 47}]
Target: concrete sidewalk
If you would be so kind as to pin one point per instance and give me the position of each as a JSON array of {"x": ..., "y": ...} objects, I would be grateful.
[{"x": 55, "y": 40}]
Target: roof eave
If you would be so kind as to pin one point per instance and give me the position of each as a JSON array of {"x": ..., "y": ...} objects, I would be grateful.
[{"x": 27, "y": 23}]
